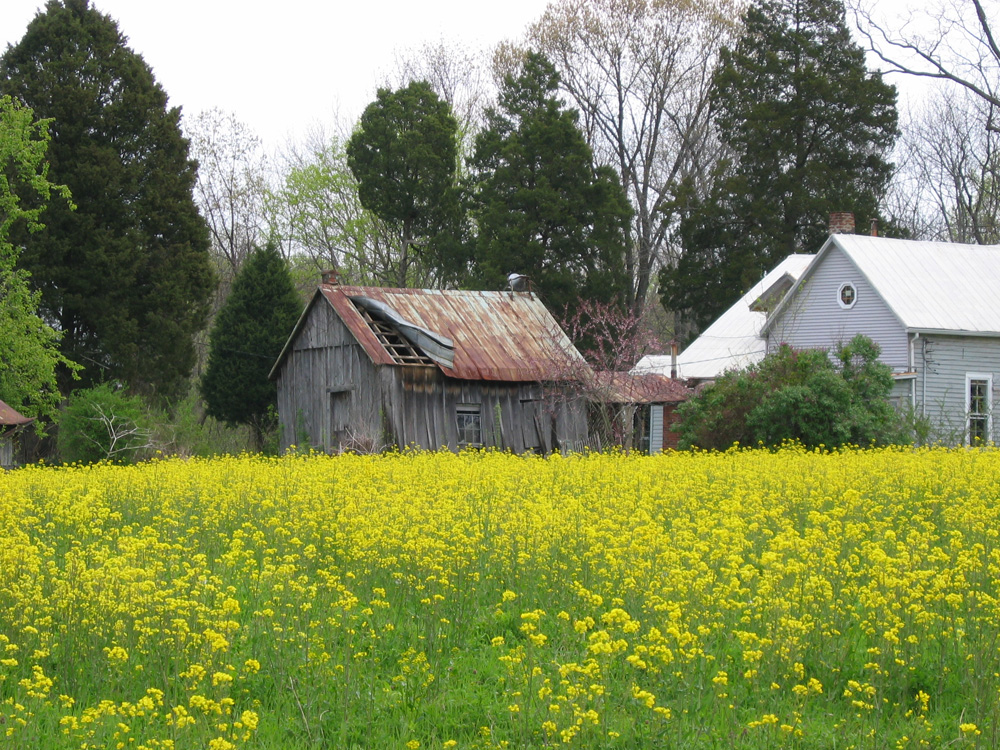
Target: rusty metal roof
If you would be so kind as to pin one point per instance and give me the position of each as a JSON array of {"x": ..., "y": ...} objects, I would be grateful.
[
  {"x": 639, "y": 388},
  {"x": 9, "y": 417},
  {"x": 504, "y": 336}
]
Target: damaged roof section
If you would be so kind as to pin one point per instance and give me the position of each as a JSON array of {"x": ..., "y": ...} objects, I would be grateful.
[
  {"x": 504, "y": 336},
  {"x": 406, "y": 342},
  {"x": 11, "y": 419}
]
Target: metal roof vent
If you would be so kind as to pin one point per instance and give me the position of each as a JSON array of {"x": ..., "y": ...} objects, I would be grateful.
[{"x": 519, "y": 282}]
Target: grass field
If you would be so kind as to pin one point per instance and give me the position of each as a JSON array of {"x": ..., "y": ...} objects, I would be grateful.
[{"x": 748, "y": 600}]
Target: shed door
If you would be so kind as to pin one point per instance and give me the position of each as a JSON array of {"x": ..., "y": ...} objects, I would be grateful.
[
  {"x": 340, "y": 405},
  {"x": 655, "y": 429},
  {"x": 531, "y": 428}
]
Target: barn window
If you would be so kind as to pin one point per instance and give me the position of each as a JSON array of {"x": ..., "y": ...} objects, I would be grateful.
[
  {"x": 847, "y": 295},
  {"x": 979, "y": 405},
  {"x": 470, "y": 425}
]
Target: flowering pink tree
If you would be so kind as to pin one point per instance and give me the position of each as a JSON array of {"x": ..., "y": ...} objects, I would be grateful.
[{"x": 612, "y": 339}]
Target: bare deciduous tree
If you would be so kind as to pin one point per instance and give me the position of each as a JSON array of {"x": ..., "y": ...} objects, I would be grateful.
[
  {"x": 457, "y": 74},
  {"x": 321, "y": 220},
  {"x": 949, "y": 40},
  {"x": 639, "y": 71},
  {"x": 946, "y": 187},
  {"x": 124, "y": 439},
  {"x": 232, "y": 183}
]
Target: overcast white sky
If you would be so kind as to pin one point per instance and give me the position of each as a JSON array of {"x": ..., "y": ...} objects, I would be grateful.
[{"x": 284, "y": 66}]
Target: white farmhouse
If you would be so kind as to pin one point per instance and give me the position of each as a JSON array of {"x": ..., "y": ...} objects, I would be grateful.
[{"x": 932, "y": 307}]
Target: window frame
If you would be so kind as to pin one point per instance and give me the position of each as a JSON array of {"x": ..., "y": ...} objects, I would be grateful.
[
  {"x": 469, "y": 423},
  {"x": 980, "y": 416},
  {"x": 840, "y": 295}
]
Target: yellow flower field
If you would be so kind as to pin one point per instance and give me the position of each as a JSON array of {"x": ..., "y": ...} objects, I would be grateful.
[{"x": 748, "y": 599}]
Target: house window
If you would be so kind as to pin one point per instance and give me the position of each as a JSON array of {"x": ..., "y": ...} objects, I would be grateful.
[
  {"x": 847, "y": 295},
  {"x": 979, "y": 406},
  {"x": 470, "y": 425}
]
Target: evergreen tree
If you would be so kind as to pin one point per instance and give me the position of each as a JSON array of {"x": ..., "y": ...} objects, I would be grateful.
[
  {"x": 808, "y": 130},
  {"x": 247, "y": 337},
  {"x": 539, "y": 205},
  {"x": 126, "y": 277},
  {"x": 404, "y": 156}
]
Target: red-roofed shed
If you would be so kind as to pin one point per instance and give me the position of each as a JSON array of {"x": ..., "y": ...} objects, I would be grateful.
[{"x": 11, "y": 423}]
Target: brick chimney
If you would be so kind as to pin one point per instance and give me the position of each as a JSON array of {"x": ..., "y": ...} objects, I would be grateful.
[
  {"x": 842, "y": 222},
  {"x": 330, "y": 277}
]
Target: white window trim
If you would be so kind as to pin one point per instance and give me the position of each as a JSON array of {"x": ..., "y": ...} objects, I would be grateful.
[
  {"x": 969, "y": 377},
  {"x": 840, "y": 292}
]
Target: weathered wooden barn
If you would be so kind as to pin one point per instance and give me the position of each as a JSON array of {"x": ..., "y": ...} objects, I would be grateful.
[{"x": 368, "y": 368}]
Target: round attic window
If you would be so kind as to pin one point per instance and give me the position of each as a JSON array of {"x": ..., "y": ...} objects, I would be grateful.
[{"x": 847, "y": 296}]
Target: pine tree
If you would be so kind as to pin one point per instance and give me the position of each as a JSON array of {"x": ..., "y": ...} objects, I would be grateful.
[
  {"x": 126, "y": 277},
  {"x": 539, "y": 205},
  {"x": 247, "y": 337},
  {"x": 808, "y": 130}
]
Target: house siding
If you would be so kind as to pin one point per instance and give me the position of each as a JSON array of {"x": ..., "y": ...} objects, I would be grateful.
[
  {"x": 814, "y": 319},
  {"x": 942, "y": 364}
]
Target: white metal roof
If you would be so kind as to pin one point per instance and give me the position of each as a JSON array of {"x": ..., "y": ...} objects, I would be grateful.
[
  {"x": 932, "y": 285},
  {"x": 732, "y": 341},
  {"x": 929, "y": 286}
]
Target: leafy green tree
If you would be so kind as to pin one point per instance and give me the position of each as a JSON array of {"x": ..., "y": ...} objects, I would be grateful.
[
  {"x": 126, "y": 277},
  {"x": 539, "y": 205},
  {"x": 808, "y": 130},
  {"x": 247, "y": 337},
  {"x": 404, "y": 156},
  {"x": 319, "y": 215},
  {"x": 30, "y": 352},
  {"x": 798, "y": 395}
]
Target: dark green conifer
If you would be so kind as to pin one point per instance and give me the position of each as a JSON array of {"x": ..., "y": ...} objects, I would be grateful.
[
  {"x": 808, "y": 131},
  {"x": 404, "y": 156},
  {"x": 126, "y": 277},
  {"x": 247, "y": 337},
  {"x": 539, "y": 205}
]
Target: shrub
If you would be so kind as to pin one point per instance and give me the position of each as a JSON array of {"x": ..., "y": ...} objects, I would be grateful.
[
  {"x": 799, "y": 395},
  {"x": 103, "y": 424}
]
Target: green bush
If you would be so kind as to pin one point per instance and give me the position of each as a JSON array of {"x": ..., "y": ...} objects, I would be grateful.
[
  {"x": 185, "y": 430},
  {"x": 103, "y": 424},
  {"x": 799, "y": 395}
]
